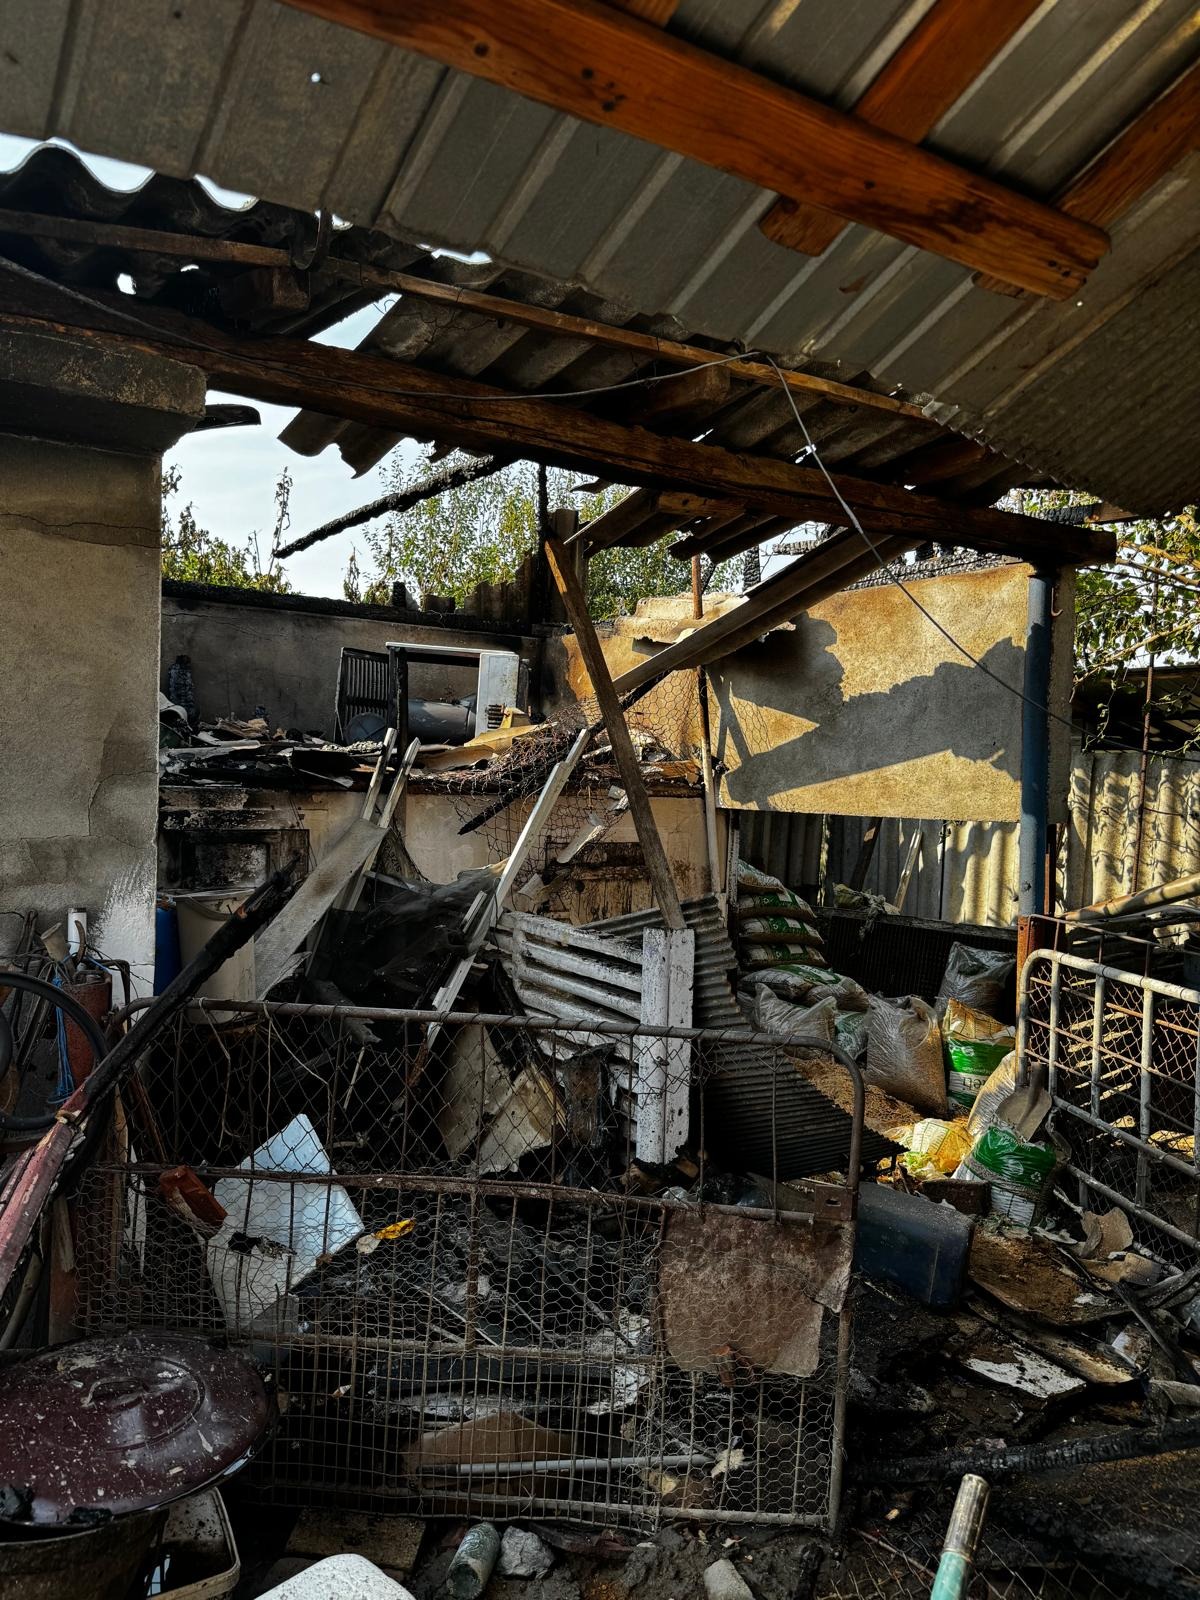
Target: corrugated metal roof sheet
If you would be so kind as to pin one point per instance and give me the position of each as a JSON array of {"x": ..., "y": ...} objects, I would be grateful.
[
  {"x": 454, "y": 340},
  {"x": 267, "y": 100}
]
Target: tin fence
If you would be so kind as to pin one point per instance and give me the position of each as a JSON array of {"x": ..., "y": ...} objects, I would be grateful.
[
  {"x": 484, "y": 1278},
  {"x": 1122, "y": 1057}
]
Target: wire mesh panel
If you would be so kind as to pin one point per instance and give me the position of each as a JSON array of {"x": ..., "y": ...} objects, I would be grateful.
[
  {"x": 477, "y": 1291},
  {"x": 1122, "y": 1055}
]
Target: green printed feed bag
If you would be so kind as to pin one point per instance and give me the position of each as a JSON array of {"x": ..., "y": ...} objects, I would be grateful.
[
  {"x": 755, "y": 956},
  {"x": 975, "y": 1044},
  {"x": 1020, "y": 1174},
  {"x": 777, "y": 930},
  {"x": 781, "y": 903},
  {"x": 753, "y": 880}
]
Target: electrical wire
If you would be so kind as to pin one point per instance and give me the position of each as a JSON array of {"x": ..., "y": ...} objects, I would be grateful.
[{"x": 889, "y": 569}]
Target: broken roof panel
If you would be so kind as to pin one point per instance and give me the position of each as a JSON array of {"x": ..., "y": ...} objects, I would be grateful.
[{"x": 394, "y": 140}]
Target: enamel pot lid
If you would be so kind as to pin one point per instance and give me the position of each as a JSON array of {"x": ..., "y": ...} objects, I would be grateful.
[{"x": 113, "y": 1425}]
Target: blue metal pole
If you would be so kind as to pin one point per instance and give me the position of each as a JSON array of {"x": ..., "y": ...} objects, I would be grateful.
[{"x": 1035, "y": 745}]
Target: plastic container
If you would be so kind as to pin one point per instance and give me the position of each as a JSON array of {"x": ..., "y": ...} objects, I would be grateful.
[
  {"x": 200, "y": 915},
  {"x": 909, "y": 1241},
  {"x": 199, "y": 1557}
]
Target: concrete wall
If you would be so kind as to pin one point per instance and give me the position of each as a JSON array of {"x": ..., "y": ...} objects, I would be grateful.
[
  {"x": 79, "y": 614},
  {"x": 862, "y": 707},
  {"x": 283, "y": 653}
]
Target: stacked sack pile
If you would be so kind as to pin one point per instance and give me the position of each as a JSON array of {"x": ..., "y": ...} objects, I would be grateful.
[{"x": 953, "y": 1063}]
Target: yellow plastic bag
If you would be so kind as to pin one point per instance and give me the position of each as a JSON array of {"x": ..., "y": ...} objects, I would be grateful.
[{"x": 937, "y": 1144}]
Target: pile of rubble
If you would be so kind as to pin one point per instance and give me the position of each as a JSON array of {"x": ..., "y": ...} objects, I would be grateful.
[{"x": 580, "y": 1219}]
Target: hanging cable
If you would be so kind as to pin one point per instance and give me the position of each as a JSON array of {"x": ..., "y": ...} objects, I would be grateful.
[{"x": 887, "y": 567}]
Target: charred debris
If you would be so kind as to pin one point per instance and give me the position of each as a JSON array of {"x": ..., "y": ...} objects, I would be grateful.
[{"x": 662, "y": 1224}]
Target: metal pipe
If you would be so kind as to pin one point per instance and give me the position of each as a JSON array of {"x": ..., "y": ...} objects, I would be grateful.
[
  {"x": 1163, "y": 894},
  {"x": 1035, "y": 745},
  {"x": 1063, "y": 958},
  {"x": 962, "y": 1539}
]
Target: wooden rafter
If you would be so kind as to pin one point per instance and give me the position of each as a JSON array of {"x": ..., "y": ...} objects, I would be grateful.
[
  {"x": 935, "y": 66},
  {"x": 412, "y": 400},
  {"x": 840, "y": 561},
  {"x": 1137, "y": 158},
  {"x": 672, "y": 352},
  {"x": 1144, "y": 152},
  {"x": 597, "y": 64}
]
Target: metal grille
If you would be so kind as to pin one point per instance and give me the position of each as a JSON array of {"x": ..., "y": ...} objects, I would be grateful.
[
  {"x": 1122, "y": 1054},
  {"x": 470, "y": 1306}
]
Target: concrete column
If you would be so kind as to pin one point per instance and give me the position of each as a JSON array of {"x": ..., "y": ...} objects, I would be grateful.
[{"x": 82, "y": 431}]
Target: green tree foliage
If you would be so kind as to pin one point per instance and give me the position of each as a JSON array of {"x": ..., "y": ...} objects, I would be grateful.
[
  {"x": 1141, "y": 606},
  {"x": 193, "y": 554},
  {"x": 482, "y": 532},
  {"x": 1143, "y": 602}
]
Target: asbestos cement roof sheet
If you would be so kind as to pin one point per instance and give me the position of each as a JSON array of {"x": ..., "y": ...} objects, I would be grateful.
[{"x": 263, "y": 99}]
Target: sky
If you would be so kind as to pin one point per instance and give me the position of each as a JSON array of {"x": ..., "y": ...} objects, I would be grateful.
[{"x": 229, "y": 474}]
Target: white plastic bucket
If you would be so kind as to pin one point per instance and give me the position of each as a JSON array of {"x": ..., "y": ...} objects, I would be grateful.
[{"x": 200, "y": 915}]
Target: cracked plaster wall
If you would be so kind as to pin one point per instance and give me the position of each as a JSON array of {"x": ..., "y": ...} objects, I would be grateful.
[{"x": 79, "y": 627}]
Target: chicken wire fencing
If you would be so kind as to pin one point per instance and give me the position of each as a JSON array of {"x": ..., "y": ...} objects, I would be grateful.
[
  {"x": 1122, "y": 1059},
  {"x": 478, "y": 1291}
]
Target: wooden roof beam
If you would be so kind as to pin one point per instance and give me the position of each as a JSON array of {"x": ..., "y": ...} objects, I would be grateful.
[
  {"x": 195, "y": 247},
  {"x": 934, "y": 67},
  {"x": 831, "y": 567},
  {"x": 595, "y": 63},
  {"x": 1140, "y": 156},
  {"x": 411, "y": 400}
]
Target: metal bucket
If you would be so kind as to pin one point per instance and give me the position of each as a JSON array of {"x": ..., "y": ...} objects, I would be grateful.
[
  {"x": 200, "y": 915},
  {"x": 100, "y": 1563}
]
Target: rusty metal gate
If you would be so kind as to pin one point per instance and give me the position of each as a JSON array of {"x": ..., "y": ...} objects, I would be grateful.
[
  {"x": 1122, "y": 1054},
  {"x": 464, "y": 1311}
]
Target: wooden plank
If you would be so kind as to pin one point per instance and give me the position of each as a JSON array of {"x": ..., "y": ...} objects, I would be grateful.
[
  {"x": 197, "y": 248},
  {"x": 1141, "y": 155},
  {"x": 1149, "y": 147},
  {"x": 485, "y": 908},
  {"x": 278, "y": 943},
  {"x": 840, "y": 561},
  {"x": 659, "y": 12},
  {"x": 657, "y": 866},
  {"x": 409, "y": 399},
  {"x": 935, "y": 66},
  {"x": 663, "y": 1067},
  {"x": 678, "y": 399},
  {"x": 383, "y": 822},
  {"x": 596, "y": 64}
]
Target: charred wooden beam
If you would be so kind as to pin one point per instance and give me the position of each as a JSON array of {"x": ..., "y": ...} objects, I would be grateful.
[{"x": 412, "y": 400}]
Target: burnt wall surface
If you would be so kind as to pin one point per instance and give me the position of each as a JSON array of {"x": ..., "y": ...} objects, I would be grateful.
[
  {"x": 281, "y": 652},
  {"x": 80, "y": 435}
]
